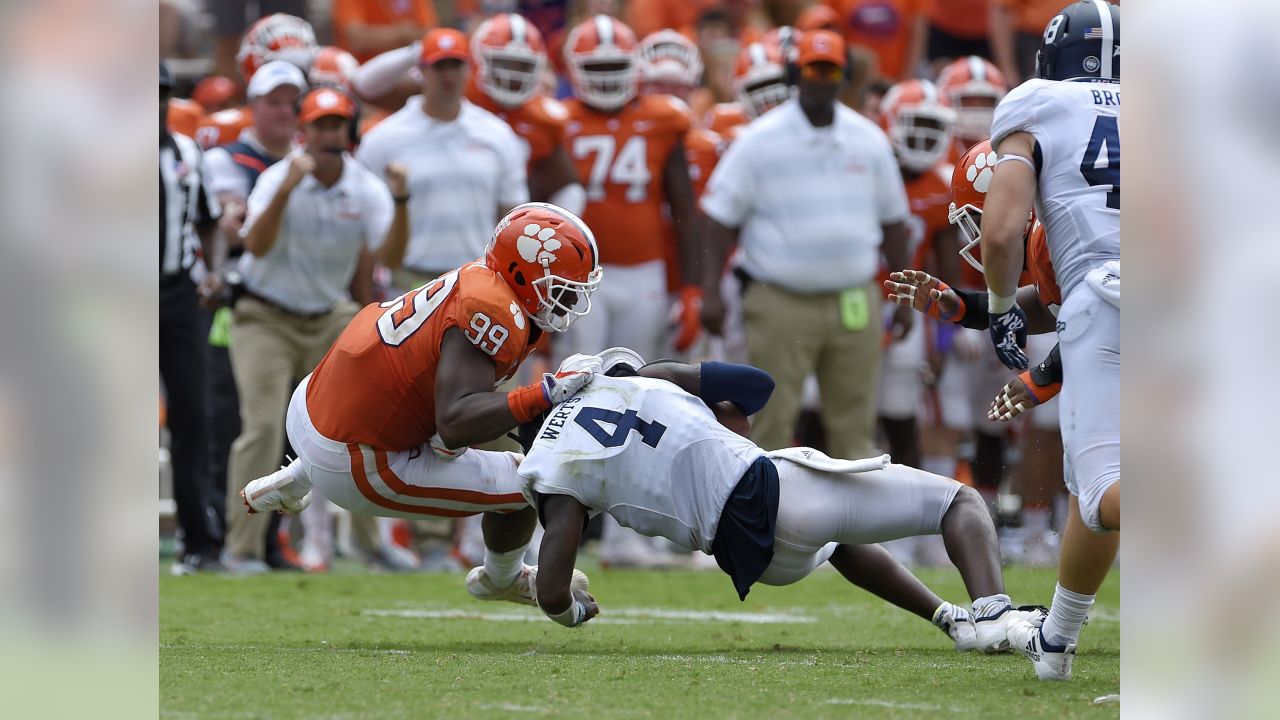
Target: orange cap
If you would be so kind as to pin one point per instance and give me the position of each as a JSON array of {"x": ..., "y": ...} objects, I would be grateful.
[
  {"x": 326, "y": 101},
  {"x": 817, "y": 17},
  {"x": 443, "y": 44},
  {"x": 820, "y": 46}
]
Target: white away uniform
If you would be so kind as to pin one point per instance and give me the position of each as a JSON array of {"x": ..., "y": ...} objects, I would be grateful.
[
  {"x": 1076, "y": 127},
  {"x": 655, "y": 458}
]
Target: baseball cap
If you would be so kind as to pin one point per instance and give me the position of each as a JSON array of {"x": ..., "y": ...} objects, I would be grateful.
[
  {"x": 166, "y": 76},
  {"x": 443, "y": 44},
  {"x": 273, "y": 75},
  {"x": 820, "y": 46},
  {"x": 323, "y": 102}
]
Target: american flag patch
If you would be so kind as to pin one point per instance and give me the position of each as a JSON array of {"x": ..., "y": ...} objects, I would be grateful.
[{"x": 1093, "y": 33}]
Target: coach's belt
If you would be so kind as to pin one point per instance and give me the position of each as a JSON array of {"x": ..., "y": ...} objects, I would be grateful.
[{"x": 246, "y": 292}]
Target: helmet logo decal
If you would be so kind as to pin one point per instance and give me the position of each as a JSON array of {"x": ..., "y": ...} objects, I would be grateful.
[
  {"x": 538, "y": 244},
  {"x": 517, "y": 316},
  {"x": 981, "y": 171},
  {"x": 1091, "y": 64}
]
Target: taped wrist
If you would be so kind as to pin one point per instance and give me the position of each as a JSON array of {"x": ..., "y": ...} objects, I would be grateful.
[
  {"x": 528, "y": 401},
  {"x": 572, "y": 617},
  {"x": 747, "y": 387},
  {"x": 976, "y": 316}
]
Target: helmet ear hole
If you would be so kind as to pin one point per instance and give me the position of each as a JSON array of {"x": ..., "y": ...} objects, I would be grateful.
[{"x": 519, "y": 278}]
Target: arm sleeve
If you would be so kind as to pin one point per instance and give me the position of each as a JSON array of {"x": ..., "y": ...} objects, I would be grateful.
[
  {"x": 1019, "y": 111},
  {"x": 728, "y": 197},
  {"x": 380, "y": 209},
  {"x": 892, "y": 205},
  {"x": 747, "y": 387},
  {"x": 265, "y": 189},
  {"x": 381, "y": 73}
]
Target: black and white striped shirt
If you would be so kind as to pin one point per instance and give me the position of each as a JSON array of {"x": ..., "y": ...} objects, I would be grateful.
[{"x": 185, "y": 202}]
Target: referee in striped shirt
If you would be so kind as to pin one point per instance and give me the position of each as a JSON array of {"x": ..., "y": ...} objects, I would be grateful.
[{"x": 188, "y": 221}]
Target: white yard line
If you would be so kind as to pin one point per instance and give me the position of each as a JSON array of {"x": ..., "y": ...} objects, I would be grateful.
[{"x": 615, "y": 616}]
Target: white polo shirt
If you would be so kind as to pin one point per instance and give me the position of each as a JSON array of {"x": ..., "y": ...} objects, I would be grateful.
[
  {"x": 459, "y": 173},
  {"x": 810, "y": 201},
  {"x": 310, "y": 266}
]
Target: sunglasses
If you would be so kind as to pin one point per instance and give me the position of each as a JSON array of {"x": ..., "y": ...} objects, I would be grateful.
[{"x": 822, "y": 71}]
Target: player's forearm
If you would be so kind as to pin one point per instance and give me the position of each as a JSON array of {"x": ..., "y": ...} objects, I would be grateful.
[
  {"x": 1006, "y": 214},
  {"x": 262, "y": 235},
  {"x": 717, "y": 240},
  {"x": 473, "y": 419},
  {"x": 679, "y": 191},
  {"x": 1000, "y": 35},
  {"x": 383, "y": 73},
  {"x": 976, "y": 316}
]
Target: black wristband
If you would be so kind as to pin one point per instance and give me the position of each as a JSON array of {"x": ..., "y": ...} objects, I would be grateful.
[
  {"x": 398, "y": 199},
  {"x": 976, "y": 315},
  {"x": 1049, "y": 371}
]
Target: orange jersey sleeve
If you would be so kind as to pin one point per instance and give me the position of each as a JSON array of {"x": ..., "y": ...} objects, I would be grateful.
[
  {"x": 1040, "y": 268},
  {"x": 702, "y": 150},
  {"x": 539, "y": 123},
  {"x": 223, "y": 127},
  {"x": 930, "y": 199},
  {"x": 376, "y": 385},
  {"x": 346, "y": 13},
  {"x": 620, "y": 158}
]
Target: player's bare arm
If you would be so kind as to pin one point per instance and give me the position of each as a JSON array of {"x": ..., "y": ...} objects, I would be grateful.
[
  {"x": 717, "y": 241},
  {"x": 927, "y": 294},
  {"x": 679, "y": 192},
  {"x": 1004, "y": 218},
  {"x": 563, "y": 518},
  {"x": 468, "y": 411}
]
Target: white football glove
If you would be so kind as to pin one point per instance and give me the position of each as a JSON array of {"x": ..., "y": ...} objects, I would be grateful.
[
  {"x": 580, "y": 363},
  {"x": 564, "y": 385}
]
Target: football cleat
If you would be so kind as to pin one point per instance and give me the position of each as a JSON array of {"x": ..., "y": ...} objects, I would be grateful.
[
  {"x": 957, "y": 623},
  {"x": 287, "y": 490},
  {"x": 524, "y": 590},
  {"x": 992, "y": 625},
  {"x": 1052, "y": 662}
]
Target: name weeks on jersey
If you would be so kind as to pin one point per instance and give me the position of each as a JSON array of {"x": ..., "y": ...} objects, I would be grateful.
[{"x": 552, "y": 429}]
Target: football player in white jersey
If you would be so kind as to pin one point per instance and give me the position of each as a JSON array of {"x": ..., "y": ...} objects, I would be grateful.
[
  {"x": 1057, "y": 139},
  {"x": 646, "y": 445}
]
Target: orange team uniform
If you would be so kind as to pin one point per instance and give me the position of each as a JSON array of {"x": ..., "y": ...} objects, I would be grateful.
[
  {"x": 726, "y": 120},
  {"x": 376, "y": 385},
  {"x": 539, "y": 123},
  {"x": 379, "y": 13},
  {"x": 185, "y": 116},
  {"x": 929, "y": 196},
  {"x": 223, "y": 127},
  {"x": 621, "y": 157},
  {"x": 1040, "y": 268},
  {"x": 882, "y": 27},
  {"x": 702, "y": 150}
]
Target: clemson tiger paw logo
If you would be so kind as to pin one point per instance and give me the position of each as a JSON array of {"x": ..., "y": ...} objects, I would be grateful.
[
  {"x": 538, "y": 244},
  {"x": 980, "y": 172},
  {"x": 517, "y": 316}
]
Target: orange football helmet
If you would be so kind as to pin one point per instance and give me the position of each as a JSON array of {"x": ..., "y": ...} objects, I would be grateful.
[
  {"x": 549, "y": 258},
  {"x": 973, "y": 87},
  {"x": 669, "y": 58},
  {"x": 512, "y": 58},
  {"x": 332, "y": 67},
  {"x": 760, "y": 78},
  {"x": 918, "y": 122},
  {"x": 601, "y": 54},
  {"x": 215, "y": 93},
  {"x": 276, "y": 37},
  {"x": 969, "y": 183}
]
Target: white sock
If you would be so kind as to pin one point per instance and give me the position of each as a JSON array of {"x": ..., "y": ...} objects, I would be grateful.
[
  {"x": 989, "y": 605},
  {"x": 1036, "y": 522},
  {"x": 503, "y": 567},
  {"x": 1066, "y": 616}
]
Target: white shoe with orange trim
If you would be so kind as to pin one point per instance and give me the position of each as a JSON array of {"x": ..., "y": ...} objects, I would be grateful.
[{"x": 524, "y": 590}]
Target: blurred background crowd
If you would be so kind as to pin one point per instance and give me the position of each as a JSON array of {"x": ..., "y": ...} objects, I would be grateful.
[{"x": 324, "y": 154}]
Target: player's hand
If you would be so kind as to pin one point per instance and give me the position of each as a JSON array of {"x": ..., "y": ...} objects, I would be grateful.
[
  {"x": 300, "y": 166},
  {"x": 686, "y": 317},
  {"x": 1019, "y": 395},
  {"x": 210, "y": 291},
  {"x": 444, "y": 452},
  {"x": 712, "y": 313},
  {"x": 589, "y": 602},
  {"x": 1009, "y": 336},
  {"x": 925, "y": 293},
  {"x": 564, "y": 385},
  {"x": 397, "y": 179}
]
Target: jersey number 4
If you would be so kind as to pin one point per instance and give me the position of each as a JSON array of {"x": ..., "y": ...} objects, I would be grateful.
[
  {"x": 590, "y": 419},
  {"x": 629, "y": 168},
  {"x": 1101, "y": 163}
]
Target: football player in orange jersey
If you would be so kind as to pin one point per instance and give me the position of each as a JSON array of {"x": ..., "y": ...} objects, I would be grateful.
[
  {"x": 216, "y": 92},
  {"x": 919, "y": 126},
  {"x": 630, "y": 150},
  {"x": 511, "y": 60},
  {"x": 384, "y": 423},
  {"x": 973, "y": 87},
  {"x": 670, "y": 64},
  {"x": 1039, "y": 298},
  {"x": 185, "y": 116}
]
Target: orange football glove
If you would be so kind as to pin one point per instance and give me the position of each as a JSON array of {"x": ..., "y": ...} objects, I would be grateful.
[{"x": 688, "y": 320}]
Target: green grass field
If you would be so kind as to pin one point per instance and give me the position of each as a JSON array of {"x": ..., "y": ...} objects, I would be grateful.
[{"x": 667, "y": 645}]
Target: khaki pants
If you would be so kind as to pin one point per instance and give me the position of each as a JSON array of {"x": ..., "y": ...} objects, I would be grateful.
[
  {"x": 790, "y": 336},
  {"x": 403, "y": 279},
  {"x": 270, "y": 351}
]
